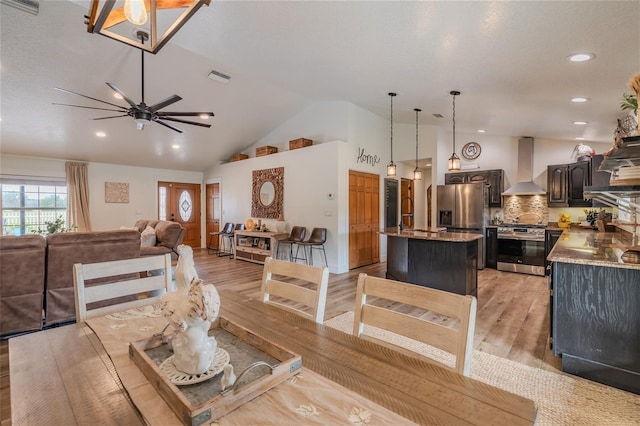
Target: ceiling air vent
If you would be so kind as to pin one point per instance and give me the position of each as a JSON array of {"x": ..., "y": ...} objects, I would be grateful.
[{"x": 31, "y": 6}]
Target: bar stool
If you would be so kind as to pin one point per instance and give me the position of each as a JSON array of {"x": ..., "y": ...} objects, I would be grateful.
[
  {"x": 296, "y": 236},
  {"x": 228, "y": 227},
  {"x": 316, "y": 241},
  {"x": 230, "y": 237}
]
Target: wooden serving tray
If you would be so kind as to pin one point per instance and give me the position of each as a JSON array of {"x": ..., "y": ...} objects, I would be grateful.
[{"x": 205, "y": 402}]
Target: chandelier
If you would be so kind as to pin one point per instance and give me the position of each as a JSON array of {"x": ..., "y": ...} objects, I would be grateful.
[{"x": 123, "y": 20}]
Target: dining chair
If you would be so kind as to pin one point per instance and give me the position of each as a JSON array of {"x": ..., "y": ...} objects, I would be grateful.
[
  {"x": 294, "y": 282},
  {"x": 107, "y": 287},
  {"x": 434, "y": 330}
]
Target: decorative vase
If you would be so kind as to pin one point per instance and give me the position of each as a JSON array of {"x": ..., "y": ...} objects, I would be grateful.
[{"x": 248, "y": 225}]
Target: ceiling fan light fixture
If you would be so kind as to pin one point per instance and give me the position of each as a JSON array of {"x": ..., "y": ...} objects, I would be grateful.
[{"x": 110, "y": 19}]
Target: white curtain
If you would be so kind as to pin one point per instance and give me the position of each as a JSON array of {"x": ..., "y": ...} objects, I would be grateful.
[{"x": 78, "y": 196}]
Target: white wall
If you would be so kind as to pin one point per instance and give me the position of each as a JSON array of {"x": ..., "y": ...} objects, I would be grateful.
[
  {"x": 143, "y": 187},
  {"x": 310, "y": 175}
]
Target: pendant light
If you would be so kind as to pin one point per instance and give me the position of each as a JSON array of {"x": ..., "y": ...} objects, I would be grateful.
[
  {"x": 391, "y": 167},
  {"x": 417, "y": 173},
  {"x": 454, "y": 160}
]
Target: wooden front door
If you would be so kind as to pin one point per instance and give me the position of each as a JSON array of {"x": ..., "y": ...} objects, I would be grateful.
[
  {"x": 364, "y": 219},
  {"x": 212, "y": 213},
  {"x": 180, "y": 202}
]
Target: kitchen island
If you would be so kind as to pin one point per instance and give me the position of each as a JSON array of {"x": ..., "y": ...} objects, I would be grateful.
[
  {"x": 442, "y": 260},
  {"x": 595, "y": 307}
]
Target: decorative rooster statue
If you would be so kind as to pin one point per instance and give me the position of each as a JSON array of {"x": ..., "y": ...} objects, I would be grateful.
[{"x": 191, "y": 310}]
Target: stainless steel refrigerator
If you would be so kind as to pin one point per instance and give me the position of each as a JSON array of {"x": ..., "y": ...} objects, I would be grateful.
[{"x": 465, "y": 208}]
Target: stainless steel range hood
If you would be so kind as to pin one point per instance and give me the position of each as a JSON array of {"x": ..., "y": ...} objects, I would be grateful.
[{"x": 525, "y": 185}]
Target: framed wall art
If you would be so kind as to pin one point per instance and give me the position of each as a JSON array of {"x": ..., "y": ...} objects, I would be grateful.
[{"x": 116, "y": 192}]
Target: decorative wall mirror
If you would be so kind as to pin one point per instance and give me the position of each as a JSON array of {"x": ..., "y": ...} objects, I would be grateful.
[{"x": 267, "y": 194}]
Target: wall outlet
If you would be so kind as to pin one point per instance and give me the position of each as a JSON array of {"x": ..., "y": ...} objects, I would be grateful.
[{"x": 327, "y": 213}]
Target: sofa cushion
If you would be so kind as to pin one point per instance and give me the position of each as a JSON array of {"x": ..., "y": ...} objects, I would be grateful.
[{"x": 148, "y": 237}]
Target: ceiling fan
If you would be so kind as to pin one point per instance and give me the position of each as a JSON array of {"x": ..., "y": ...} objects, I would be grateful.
[{"x": 143, "y": 113}]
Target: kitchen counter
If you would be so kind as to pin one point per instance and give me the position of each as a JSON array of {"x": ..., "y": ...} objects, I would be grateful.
[
  {"x": 454, "y": 237},
  {"x": 587, "y": 247},
  {"x": 442, "y": 260},
  {"x": 595, "y": 307}
]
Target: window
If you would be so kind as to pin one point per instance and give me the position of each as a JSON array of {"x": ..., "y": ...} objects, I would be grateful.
[{"x": 26, "y": 206}]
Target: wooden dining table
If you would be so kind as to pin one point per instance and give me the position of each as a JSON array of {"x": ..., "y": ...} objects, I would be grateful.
[{"x": 65, "y": 376}]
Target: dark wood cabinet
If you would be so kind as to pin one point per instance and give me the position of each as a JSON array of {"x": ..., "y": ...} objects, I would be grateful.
[
  {"x": 492, "y": 248},
  {"x": 598, "y": 178},
  {"x": 566, "y": 182},
  {"x": 452, "y": 178},
  {"x": 550, "y": 239},
  {"x": 596, "y": 322},
  {"x": 579, "y": 176},
  {"x": 495, "y": 179}
]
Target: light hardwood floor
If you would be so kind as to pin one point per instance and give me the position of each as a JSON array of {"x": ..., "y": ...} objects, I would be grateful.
[{"x": 512, "y": 320}]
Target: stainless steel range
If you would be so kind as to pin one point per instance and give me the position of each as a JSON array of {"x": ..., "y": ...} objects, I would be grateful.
[{"x": 521, "y": 248}]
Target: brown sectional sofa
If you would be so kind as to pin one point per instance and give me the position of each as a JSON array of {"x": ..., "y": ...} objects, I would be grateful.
[
  {"x": 65, "y": 249},
  {"x": 37, "y": 273},
  {"x": 22, "y": 262},
  {"x": 169, "y": 236}
]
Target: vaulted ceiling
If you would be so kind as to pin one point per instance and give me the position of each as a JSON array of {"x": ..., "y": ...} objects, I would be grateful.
[{"x": 508, "y": 58}]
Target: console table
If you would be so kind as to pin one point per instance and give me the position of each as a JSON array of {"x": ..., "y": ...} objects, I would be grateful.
[{"x": 256, "y": 246}]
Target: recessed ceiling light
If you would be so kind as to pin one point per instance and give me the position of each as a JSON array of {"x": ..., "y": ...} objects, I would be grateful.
[
  {"x": 579, "y": 138},
  {"x": 481, "y": 131},
  {"x": 101, "y": 134},
  {"x": 579, "y": 99},
  {"x": 117, "y": 95},
  {"x": 581, "y": 57},
  {"x": 580, "y": 123},
  {"x": 175, "y": 146}
]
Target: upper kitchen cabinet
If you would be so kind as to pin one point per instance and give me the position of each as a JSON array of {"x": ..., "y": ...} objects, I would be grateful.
[
  {"x": 495, "y": 179},
  {"x": 566, "y": 182}
]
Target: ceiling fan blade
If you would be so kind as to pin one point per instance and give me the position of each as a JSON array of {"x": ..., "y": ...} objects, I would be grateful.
[
  {"x": 113, "y": 116},
  {"x": 165, "y": 102},
  {"x": 186, "y": 114},
  {"x": 185, "y": 121},
  {"x": 117, "y": 90},
  {"x": 88, "y": 97},
  {"x": 168, "y": 125},
  {"x": 82, "y": 106}
]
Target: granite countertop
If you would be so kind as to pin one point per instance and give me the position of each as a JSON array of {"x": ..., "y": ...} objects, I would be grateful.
[
  {"x": 587, "y": 247},
  {"x": 424, "y": 234}
]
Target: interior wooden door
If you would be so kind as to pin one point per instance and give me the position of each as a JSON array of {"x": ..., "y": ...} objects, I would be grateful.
[
  {"x": 180, "y": 202},
  {"x": 364, "y": 219},
  {"x": 406, "y": 203},
  {"x": 212, "y": 213}
]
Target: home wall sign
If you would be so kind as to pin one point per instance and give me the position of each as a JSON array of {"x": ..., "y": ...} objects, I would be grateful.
[
  {"x": 370, "y": 159},
  {"x": 116, "y": 192},
  {"x": 267, "y": 193}
]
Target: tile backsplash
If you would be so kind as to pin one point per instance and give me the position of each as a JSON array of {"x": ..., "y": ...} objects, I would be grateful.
[{"x": 515, "y": 206}]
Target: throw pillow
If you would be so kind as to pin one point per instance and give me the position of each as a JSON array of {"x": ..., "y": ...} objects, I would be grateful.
[{"x": 148, "y": 237}]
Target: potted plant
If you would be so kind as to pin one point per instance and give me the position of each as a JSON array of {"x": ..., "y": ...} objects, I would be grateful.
[{"x": 630, "y": 102}]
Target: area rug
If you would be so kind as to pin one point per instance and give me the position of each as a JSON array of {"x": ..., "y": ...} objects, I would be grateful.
[{"x": 561, "y": 399}]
